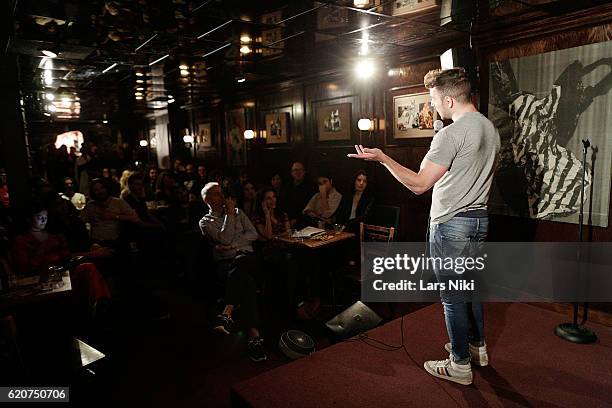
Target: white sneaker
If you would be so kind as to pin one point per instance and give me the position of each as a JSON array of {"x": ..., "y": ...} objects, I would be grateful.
[
  {"x": 449, "y": 370},
  {"x": 479, "y": 355}
]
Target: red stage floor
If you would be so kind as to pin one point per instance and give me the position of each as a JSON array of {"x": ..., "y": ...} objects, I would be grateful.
[{"x": 530, "y": 367}]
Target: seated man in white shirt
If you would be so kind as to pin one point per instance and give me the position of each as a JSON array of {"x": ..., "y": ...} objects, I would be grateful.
[
  {"x": 323, "y": 204},
  {"x": 231, "y": 233}
]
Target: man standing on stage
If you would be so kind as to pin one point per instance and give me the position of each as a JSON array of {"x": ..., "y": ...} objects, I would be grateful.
[{"x": 459, "y": 166}]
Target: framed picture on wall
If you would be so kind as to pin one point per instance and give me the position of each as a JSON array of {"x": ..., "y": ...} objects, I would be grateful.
[
  {"x": 334, "y": 122},
  {"x": 152, "y": 138},
  {"x": 204, "y": 135},
  {"x": 235, "y": 143},
  {"x": 400, "y": 7},
  {"x": 277, "y": 129},
  {"x": 413, "y": 116}
]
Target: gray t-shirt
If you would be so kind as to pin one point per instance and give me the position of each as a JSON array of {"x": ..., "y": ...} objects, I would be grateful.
[{"x": 468, "y": 147}]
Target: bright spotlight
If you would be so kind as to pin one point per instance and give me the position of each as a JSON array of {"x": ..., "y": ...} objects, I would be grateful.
[
  {"x": 249, "y": 134},
  {"x": 364, "y": 69},
  {"x": 364, "y": 124}
]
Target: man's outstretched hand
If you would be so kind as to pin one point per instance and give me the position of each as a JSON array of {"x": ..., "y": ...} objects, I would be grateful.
[{"x": 367, "y": 153}]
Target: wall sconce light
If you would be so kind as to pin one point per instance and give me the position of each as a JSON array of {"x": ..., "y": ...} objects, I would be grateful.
[
  {"x": 249, "y": 134},
  {"x": 143, "y": 143},
  {"x": 365, "y": 124},
  {"x": 188, "y": 139}
]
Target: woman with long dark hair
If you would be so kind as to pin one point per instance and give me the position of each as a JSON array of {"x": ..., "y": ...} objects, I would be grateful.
[{"x": 355, "y": 208}]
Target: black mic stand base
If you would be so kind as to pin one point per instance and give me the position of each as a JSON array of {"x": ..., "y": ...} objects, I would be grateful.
[{"x": 575, "y": 333}]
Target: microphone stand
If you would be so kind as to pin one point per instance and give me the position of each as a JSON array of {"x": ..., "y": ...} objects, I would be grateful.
[{"x": 574, "y": 332}]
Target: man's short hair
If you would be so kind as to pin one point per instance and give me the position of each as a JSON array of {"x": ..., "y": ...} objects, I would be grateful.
[
  {"x": 207, "y": 187},
  {"x": 452, "y": 82}
]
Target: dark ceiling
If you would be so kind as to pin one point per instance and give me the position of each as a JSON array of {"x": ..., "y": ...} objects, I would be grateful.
[{"x": 102, "y": 45}]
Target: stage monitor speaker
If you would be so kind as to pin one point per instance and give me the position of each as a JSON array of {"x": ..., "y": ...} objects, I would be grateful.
[
  {"x": 462, "y": 57},
  {"x": 354, "y": 320},
  {"x": 457, "y": 11}
]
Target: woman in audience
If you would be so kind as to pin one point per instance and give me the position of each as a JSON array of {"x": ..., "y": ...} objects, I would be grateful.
[
  {"x": 355, "y": 208},
  {"x": 269, "y": 220},
  {"x": 123, "y": 183},
  {"x": 36, "y": 250},
  {"x": 248, "y": 199},
  {"x": 150, "y": 182}
]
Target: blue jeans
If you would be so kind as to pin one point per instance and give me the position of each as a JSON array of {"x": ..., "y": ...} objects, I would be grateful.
[{"x": 459, "y": 237}]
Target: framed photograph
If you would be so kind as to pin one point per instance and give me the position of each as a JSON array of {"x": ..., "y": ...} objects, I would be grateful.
[
  {"x": 277, "y": 128},
  {"x": 204, "y": 135},
  {"x": 413, "y": 116},
  {"x": 401, "y": 7},
  {"x": 235, "y": 143},
  {"x": 152, "y": 138},
  {"x": 272, "y": 37},
  {"x": 334, "y": 122}
]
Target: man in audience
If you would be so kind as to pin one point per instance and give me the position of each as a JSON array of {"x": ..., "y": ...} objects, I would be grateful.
[
  {"x": 458, "y": 217},
  {"x": 231, "y": 233},
  {"x": 151, "y": 184},
  {"x": 77, "y": 199},
  {"x": 323, "y": 204},
  {"x": 189, "y": 176},
  {"x": 200, "y": 180},
  {"x": 296, "y": 194},
  {"x": 105, "y": 215}
]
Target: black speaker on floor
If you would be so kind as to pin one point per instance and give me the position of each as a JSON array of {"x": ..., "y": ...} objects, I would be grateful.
[
  {"x": 462, "y": 57},
  {"x": 354, "y": 320}
]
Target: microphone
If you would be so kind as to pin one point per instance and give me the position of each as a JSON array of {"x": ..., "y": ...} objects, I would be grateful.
[{"x": 438, "y": 125}]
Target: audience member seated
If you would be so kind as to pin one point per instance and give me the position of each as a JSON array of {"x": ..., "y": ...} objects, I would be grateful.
[
  {"x": 248, "y": 199},
  {"x": 136, "y": 198},
  {"x": 150, "y": 182},
  {"x": 322, "y": 206},
  {"x": 231, "y": 233},
  {"x": 355, "y": 208},
  {"x": 296, "y": 194},
  {"x": 166, "y": 183},
  {"x": 77, "y": 199},
  {"x": 200, "y": 180},
  {"x": 189, "y": 177},
  {"x": 114, "y": 186},
  {"x": 36, "y": 250},
  {"x": 105, "y": 214}
]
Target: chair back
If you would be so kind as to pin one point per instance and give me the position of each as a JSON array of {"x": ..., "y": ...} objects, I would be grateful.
[
  {"x": 385, "y": 216},
  {"x": 375, "y": 233}
]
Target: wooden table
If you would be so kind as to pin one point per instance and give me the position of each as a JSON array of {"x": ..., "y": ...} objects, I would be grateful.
[
  {"x": 27, "y": 290},
  {"x": 329, "y": 237}
]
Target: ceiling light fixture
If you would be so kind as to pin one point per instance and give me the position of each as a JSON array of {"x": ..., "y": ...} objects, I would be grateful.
[
  {"x": 109, "y": 68},
  {"x": 143, "y": 143},
  {"x": 51, "y": 108},
  {"x": 249, "y": 134},
  {"x": 183, "y": 66},
  {"x": 159, "y": 59},
  {"x": 139, "y": 74},
  {"x": 139, "y": 81},
  {"x": 49, "y": 53},
  {"x": 184, "y": 72},
  {"x": 245, "y": 49},
  {"x": 140, "y": 89},
  {"x": 245, "y": 38},
  {"x": 105, "y": 121},
  {"x": 364, "y": 69},
  {"x": 240, "y": 80},
  {"x": 171, "y": 100},
  {"x": 50, "y": 96}
]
